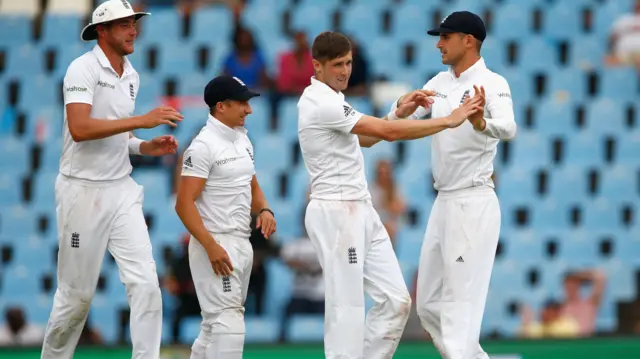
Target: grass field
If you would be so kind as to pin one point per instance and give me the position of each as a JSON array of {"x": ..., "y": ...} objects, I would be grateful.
[{"x": 607, "y": 348}]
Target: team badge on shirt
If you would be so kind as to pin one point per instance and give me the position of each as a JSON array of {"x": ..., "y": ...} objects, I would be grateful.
[
  {"x": 465, "y": 96},
  {"x": 347, "y": 110},
  {"x": 250, "y": 154},
  {"x": 132, "y": 92},
  {"x": 188, "y": 163}
]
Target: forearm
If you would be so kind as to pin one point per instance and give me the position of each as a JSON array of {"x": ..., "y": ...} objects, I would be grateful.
[
  {"x": 191, "y": 219},
  {"x": 410, "y": 130},
  {"x": 368, "y": 141},
  {"x": 258, "y": 199},
  {"x": 502, "y": 128},
  {"x": 95, "y": 129}
]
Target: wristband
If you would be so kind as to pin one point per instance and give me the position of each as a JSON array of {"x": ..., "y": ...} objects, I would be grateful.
[
  {"x": 391, "y": 116},
  {"x": 134, "y": 145},
  {"x": 267, "y": 210}
]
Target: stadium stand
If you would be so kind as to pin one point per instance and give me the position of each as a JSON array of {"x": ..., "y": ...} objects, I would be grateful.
[{"x": 570, "y": 180}]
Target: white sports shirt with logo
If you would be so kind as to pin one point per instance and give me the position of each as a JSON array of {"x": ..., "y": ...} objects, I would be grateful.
[
  {"x": 330, "y": 151},
  {"x": 90, "y": 79},
  {"x": 462, "y": 157},
  {"x": 224, "y": 157}
]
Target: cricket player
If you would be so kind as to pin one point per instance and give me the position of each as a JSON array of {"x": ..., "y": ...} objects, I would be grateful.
[
  {"x": 464, "y": 225},
  {"x": 216, "y": 197},
  {"x": 352, "y": 244},
  {"x": 98, "y": 205}
]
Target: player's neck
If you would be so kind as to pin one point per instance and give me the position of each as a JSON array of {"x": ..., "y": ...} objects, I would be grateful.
[
  {"x": 223, "y": 121},
  {"x": 115, "y": 59},
  {"x": 465, "y": 63}
]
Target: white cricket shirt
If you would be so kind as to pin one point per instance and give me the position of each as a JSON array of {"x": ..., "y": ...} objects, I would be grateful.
[
  {"x": 90, "y": 79},
  {"x": 330, "y": 151},
  {"x": 224, "y": 156},
  {"x": 462, "y": 157}
]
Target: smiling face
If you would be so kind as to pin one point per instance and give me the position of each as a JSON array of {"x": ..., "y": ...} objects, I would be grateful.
[
  {"x": 119, "y": 35},
  {"x": 232, "y": 113},
  {"x": 332, "y": 59}
]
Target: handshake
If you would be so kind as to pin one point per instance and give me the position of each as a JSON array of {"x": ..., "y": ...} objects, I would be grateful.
[{"x": 472, "y": 108}]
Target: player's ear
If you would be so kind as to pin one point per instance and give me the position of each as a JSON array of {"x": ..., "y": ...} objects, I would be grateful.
[{"x": 317, "y": 65}]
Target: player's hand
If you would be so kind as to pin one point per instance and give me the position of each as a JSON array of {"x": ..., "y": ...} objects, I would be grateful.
[
  {"x": 159, "y": 146},
  {"x": 219, "y": 260},
  {"x": 164, "y": 115},
  {"x": 411, "y": 102},
  {"x": 408, "y": 97},
  {"x": 267, "y": 223},
  {"x": 478, "y": 117},
  {"x": 468, "y": 108}
]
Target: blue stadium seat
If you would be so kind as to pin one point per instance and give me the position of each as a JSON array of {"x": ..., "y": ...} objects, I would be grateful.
[
  {"x": 520, "y": 84},
  {"x": 272, "y": 53},
  {"x": 105, "y": 316},
  {"x": 16, "y": 155},
  {"x": 619, "y": 183},
  {"x": 408, "y": 20},
  {"x": 288, "y": 119},
  {"x": 494, "y": 53},
  {"x": 9, "y": 185},
  {"x": 264, "y": 20},
  {"x": 512, "y": 22},
  {"x": 628, "y": 148},
  {"x": 429, "y": 59},
  {"x": 151, "y": 88},
  {"x": 45, "y": 124},
  {"x": 299, "y": 185},
  {"x": 516, "y": 184},
  {"x": 195, "y": 118},
  {"x": 211, "y": 24},
  {"x": 33, "y": 252},
  {"x": 268, "y": 183},
  {"x": 379, "y": 152},
  {"x": 25, "y": 60},
  {"x": 607, "y": 14},
  {"x": 555, "y": 116},
  {"x": 261, "y": 330},
  {"x": 156, "y": 185},
  {"x": 58, "y": 29},
  {"x": 536, "y": 54},
  {"x": 415, "y": 185},
  {"x": 389, "y": 64},
  {"x": 586, "y": 52},
  {"x": 289, "y": 216},
  {"x": 278, "y": 292},
  {"x": 305, "y": 328},
  {"x": 44, "y": 189},
  {"x": 189, "y": 329},
  {"x": 18, "y": 26},
  {"x": 601, "y": 214},
  {"x": 47, "y": 88},
  {"x": 176, "y": 58},
  {"x": 67, "y": 53},
  {"x": 568, "y": 183},
  {"x": 530, "y": 151},
  {"x": 620, "y": 83},
  {"x": 271, "y": 154},
  {"x": 165, "y": 26},
  {"x": 606, "y": 115},
  {"x": 362, "y": 21},
  {"x": 168, "y": 223},
  {"x": 552, "y": 212},
  {"x": 409, "y": 244},
  {"x": 311, "y": 18},
  {"x": 257, "y": 124},
  {"x": 621, "y": 281},
  {"x": 361, "y": 104},
  {"x": 579, "y": 248},
  {"x": 192, "y": 84},
  {"x": 584, "y": 149},
  {"x": 20, "y": 279},
  {"x": 567, "y": 83},
  {"x": 418, "y": 153},
  {"x": 562, "y": 21}
]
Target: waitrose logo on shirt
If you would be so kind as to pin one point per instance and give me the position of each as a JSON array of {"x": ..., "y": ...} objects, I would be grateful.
[
  {"x": 76, "y": 89},
  {"x": 105, "y": 84}
]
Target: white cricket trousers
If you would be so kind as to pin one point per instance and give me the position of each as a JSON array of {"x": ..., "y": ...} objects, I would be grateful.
[
  {"x": 455, "y": 268},
  {"x": 221, "y": 299},
  {"x": 356, "y": 255},
  {"x": 93, "y": 217}
]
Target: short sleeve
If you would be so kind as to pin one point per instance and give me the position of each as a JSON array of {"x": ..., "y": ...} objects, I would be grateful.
[
  {"x": 197, "y": 160},
  {"x": 338, "y": 116},
  {"x": 79, "y": 83}
]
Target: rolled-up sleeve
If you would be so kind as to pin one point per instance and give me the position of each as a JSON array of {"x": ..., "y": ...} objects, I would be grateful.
[{"x": 499, "y": 115}]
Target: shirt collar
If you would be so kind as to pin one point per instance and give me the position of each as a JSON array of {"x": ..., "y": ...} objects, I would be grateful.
[
  {"x": 102, "y": 59},
  {"x": 479, "y": 65},
  {"x": 226, "y": 131},
  {"x": 325, "y": 88}
]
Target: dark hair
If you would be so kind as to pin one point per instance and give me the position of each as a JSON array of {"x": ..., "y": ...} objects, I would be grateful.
[{"x": 330, "y": 45}]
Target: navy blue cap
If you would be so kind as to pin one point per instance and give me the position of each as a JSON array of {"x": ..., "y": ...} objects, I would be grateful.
[
  {"x": 224, "y": 88},
  {"x": 464, "y": 22}
]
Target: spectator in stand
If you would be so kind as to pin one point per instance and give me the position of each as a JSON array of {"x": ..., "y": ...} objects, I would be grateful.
[
  {"x": 359, "y": 81},
  {"x": 180, "y": 284},
  {"x": 583, "y": 310},
  {"x": 553, "y": 323},
  {"x": 246, "y": 61},
  {"x": 387, "y": 199},
  {"x": 295, "y": 67},
  {"x": 624, "y": 44},
  {"x": 17, "y": 331}
]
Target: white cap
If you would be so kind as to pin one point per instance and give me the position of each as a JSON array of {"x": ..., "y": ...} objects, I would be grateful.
[{"x": 108, "y": 11}]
